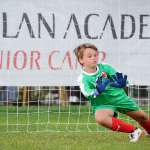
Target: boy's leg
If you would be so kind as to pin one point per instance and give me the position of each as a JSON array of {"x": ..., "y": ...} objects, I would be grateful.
[
  {"x": 121, "y": 126},
  {"x": 142, "y": 118},
  {"x": 105, "y": 118}
]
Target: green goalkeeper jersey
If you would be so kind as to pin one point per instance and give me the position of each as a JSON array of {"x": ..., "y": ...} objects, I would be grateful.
[{"x": 113, "y": 98}]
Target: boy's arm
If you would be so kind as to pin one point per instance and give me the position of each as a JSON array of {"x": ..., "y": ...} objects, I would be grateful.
[{"x": 86, "y": 90}]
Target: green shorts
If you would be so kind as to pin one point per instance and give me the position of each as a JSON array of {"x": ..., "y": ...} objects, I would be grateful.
[{"x": 122, "y": 106}]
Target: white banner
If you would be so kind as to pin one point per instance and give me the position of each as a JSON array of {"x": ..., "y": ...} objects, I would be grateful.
[{"x": 37, "y": 39}]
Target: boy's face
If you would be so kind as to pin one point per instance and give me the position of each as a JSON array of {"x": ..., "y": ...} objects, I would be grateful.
[{"x": 90, "y": 58}]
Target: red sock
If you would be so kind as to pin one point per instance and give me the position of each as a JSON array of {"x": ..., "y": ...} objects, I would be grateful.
[
  {"x": 121, "y": 126},
  {"x": 146, "y": 125}
]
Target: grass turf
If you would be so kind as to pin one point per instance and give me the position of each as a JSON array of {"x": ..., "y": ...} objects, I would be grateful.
[{"x": 59, "y": 128}]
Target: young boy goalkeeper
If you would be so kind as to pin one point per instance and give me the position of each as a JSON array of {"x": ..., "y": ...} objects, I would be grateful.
[{"x": 103, "y": 86}]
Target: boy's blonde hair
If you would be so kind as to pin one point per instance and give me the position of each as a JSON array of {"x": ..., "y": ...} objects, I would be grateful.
[{"x": 81, "y": 48}]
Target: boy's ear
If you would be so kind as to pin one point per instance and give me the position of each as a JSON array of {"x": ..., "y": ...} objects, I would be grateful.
[{"x": 81, "y": 61}]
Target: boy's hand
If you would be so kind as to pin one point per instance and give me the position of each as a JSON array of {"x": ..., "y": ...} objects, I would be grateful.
[
  {"x": 101, "y": 85},
  {"x": 119, "y": 80}
]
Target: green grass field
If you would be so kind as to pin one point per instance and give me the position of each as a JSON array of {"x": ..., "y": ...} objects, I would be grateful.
[{"x": 59, "y": 128}]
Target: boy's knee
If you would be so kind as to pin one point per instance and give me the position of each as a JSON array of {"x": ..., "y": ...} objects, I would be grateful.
[
  {"x": 101, "y": 120},
  {"x": 103, "y": 117}
]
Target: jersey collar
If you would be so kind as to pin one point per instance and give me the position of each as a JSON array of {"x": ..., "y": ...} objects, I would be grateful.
[{"x": 91, "y": 74}]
